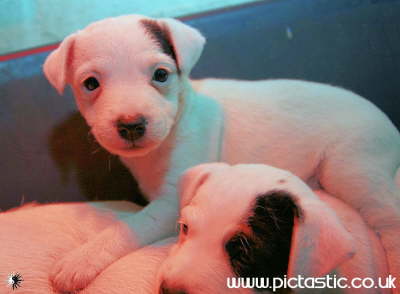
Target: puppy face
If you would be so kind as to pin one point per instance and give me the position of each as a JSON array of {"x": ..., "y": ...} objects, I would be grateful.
[
  {"x": 125, "y": 81},
  {"x": 247, "y": 221},
  {"x": 127, "y": 77}
]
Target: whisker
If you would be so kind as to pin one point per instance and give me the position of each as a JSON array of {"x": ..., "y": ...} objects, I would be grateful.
[
  {"x": 22, "y": 200},
  {"x": 96, "y": 150}
]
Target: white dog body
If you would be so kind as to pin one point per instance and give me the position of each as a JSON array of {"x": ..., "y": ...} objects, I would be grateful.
[
  {"x": 287, "y": 111},
  {"x": 324, "y": 135},
  {"x": 329, "y": 237},
  {"x": 233, "y": 112}
]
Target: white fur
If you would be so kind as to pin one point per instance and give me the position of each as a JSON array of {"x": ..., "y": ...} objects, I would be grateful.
[
  {"x": 323, "y": 134},
  {"x": 331, "y": 237},
  {"x": 33, "y": 237}
]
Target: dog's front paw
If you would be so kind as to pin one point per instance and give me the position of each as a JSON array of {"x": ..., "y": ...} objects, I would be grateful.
[
  {"x": 75, "y": 270},
  {"x": 80, "y": 266}
]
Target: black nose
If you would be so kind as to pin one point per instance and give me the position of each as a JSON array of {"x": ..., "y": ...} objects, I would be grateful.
[
  {"x": 167, "y": 290},
  {"x": 132, "y": 130}
]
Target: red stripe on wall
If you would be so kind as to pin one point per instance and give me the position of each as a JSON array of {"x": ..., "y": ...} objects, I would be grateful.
[{"x": 24, "y": 53}]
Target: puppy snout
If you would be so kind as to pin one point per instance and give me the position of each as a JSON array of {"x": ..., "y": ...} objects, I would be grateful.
[
  {"x": 164, "y": 289},
  {"x": 131, "y": 130}
]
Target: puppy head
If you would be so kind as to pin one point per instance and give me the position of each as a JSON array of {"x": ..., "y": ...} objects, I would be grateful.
[
  {"x": 250, "y": 221},
  {"x": 128, "y": 75}
]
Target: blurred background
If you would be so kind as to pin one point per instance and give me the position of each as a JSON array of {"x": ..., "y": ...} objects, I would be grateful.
[
  {"x": 46, "y": 151},
  {"x": 26, "y": 24}
]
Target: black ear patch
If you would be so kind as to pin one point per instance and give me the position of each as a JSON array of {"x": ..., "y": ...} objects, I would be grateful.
[
  {"x": 265, "y": 253},
  {"x": 161, "y": 35}
]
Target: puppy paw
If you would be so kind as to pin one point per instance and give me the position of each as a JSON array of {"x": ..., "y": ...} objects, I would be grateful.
[
  {"x": 82, "y": 265},
  {"x": 75, "y": 270}
]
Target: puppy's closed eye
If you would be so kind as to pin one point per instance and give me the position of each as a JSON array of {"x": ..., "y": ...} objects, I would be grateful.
[{"x": 183, "y": 228}]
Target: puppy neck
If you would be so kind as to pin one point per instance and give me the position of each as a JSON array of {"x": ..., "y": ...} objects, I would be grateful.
[{"x": 199, "y": 121}]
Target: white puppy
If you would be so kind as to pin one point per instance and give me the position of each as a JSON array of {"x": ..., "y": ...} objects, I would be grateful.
[
  {"x": 273, "y": 225},
  {"x": 130, "y": 78}
]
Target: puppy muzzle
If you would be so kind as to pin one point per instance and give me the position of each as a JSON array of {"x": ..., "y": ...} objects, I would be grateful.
[{"x": 132, "y": 130}]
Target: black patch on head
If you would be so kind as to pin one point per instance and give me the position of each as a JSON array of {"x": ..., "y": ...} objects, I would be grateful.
[
  {"x": 161, "y": 35},
  {"x": 265, "y": 253}
]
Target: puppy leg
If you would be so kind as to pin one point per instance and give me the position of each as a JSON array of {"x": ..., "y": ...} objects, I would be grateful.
[
  {"x": 80, "y": 266},
  {"x": 134, "y": 273},
  {"x": 370, "y": 187},
  {"x": 158, "y": 219}
]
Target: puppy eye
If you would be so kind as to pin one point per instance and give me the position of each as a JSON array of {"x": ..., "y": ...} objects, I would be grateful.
[
  {"x": 183, "y": 228},
  {"x": 91, "y": 84},
  {"x": 160, "y": 75}
]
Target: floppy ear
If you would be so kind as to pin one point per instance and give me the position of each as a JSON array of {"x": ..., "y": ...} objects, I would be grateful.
[
  {"x": 187, "y": 42},
  {"x": 320, "y": 243},
  {"x": 290, "y": 236},
  {"x": 56, "y": 64},
  {"x": 193, "y": 178}
]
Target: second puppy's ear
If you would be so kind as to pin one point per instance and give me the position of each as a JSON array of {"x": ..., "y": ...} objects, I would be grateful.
[
  {"x": 187, "y": 43},
  {"x": 193, "y": 178},
  {"x": 57, "y": 63},
  {"x": 320, "y": 242},
  {"x": 292, "y": 235}
]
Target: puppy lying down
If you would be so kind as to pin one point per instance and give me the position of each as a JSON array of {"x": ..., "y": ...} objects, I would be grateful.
[
  {"x": 260, "y": 221},
  {"x": 244, "y": 220}
]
